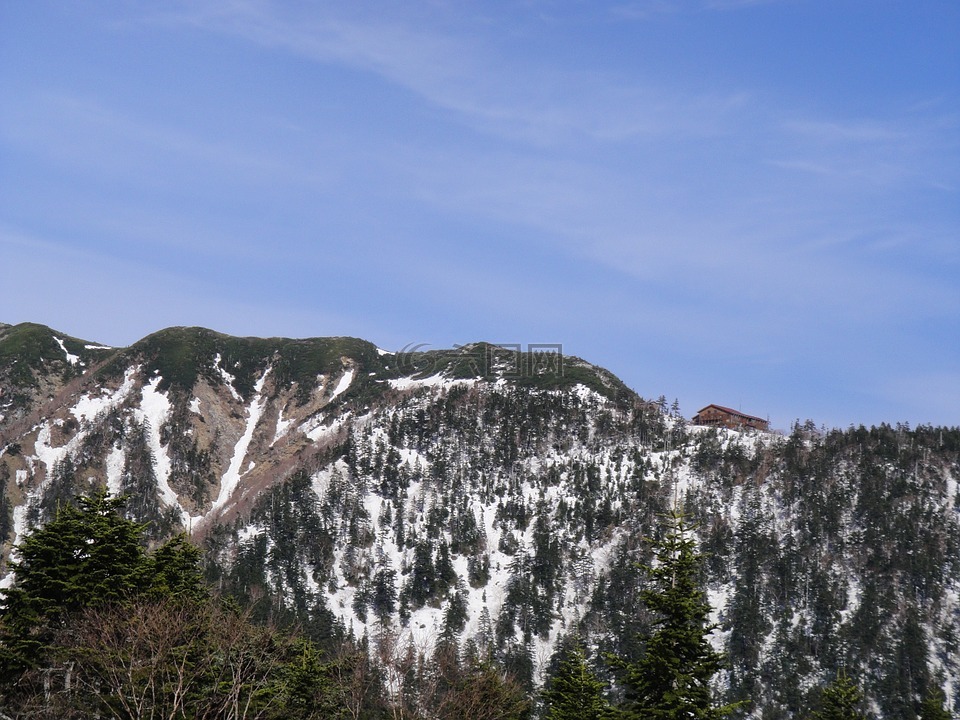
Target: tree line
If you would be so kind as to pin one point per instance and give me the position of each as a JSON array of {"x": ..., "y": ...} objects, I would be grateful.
[{"x": 95, "y": 625}]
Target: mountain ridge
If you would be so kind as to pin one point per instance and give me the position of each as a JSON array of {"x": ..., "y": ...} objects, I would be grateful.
[{"x": 464, "y": 494}]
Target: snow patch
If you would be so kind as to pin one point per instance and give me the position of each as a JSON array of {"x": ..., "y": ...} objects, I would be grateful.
[
  {"x": 49, "y": 455},
  {"x": 71, "y": 358},
  {"x": 115, "y": 462},
  {"x": 283, "y": 427},
  {"x": 228, "y": 379},
  {"x": 587, "y": 395},
  {"x": 231, "y": 478},
  {"x": 249, "y": 532},
  {"x": 89, "y": 407},
  {"x": 437, "y": 380},
  {"x": 153, "y": 411},
  {"x": 316, "y": 430},
  {"x": 343, "y": 384}
]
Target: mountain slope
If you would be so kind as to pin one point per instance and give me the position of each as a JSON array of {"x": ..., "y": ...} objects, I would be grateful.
[{"x": 499, "y": 498}]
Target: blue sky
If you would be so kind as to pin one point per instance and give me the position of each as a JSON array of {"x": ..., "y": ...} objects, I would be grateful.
[{"x": 754, "y": 203}]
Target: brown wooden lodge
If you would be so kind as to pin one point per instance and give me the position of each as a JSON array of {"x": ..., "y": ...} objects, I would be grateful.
[{"x": 719, "y": 416}]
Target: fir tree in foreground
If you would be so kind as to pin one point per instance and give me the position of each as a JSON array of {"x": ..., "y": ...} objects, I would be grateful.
[
  {"x": 841, "y": 700},
  {"x": 575, "y": 692},
  {"x": 933, "y": 706},
  {"x": 94, "y": 626},
  {"x": 88, "y": 555},
  {"x": 672, "y": 680}
]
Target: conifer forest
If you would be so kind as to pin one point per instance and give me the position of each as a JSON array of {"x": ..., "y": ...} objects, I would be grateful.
[{"x": 201, "y": 526}]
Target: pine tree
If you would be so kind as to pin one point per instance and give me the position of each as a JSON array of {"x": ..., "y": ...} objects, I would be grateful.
[
  {"x": 175, "y": 571},
  {"x": 933, "y": 706},
  {"x": 575, "y": 692},
  {"x": 672, "y": 680},
  {"x": 87, "y": 555},
  {"x": 840, "y": 700},
  {"x": 308, "y": 687}
]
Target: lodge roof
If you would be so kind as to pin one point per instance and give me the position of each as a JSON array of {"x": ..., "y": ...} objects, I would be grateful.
[{"x": 731, "y": 411}]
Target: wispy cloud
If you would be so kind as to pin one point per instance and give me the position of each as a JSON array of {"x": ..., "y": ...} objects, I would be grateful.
[
  {"x": 93, "y": 133},
  {"x": 472, "y": 167},
  {"x": 456, "y": 71},
  {"x": 902, "y": 152},
  {"x": 647, "y": 9},
  {"x": 738, "y": 4},
  {"x": 833, "y": 132}
]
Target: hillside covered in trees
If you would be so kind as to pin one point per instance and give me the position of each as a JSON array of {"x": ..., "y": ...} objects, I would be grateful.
[{"x": 484, "y": 514}]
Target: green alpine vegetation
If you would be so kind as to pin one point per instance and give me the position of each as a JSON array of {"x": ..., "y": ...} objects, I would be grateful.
[
  {"x": 841, "y": 700},
  {"x": 671, "y": 681},
  {"x": 575, "y": 692},
  {"x": 377, "y": 505}
]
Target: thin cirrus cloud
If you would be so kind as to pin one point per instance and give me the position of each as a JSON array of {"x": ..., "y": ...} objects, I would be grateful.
[
  {"x": 601, "y": 213},
  {"x": 120, "y": 144},
  {"x": 489, "y": 88},
  {"x": 441, "y": 171}
]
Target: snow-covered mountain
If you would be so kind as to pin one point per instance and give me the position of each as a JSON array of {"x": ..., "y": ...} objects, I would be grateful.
[{"x": 498, "y": 498}]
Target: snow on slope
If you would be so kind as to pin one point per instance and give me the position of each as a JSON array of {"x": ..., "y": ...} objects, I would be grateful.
[
  {"x": 283, "y": 427},
  {"x": 228, "y": 379},
  {"x": 231, "y": 478},
  {"x": 433, "y": 381},
  {"x": 115, "y": 462},
  {"x": 153, "y": 413},
  {"x": 344, "y": 383},
  {"x": 89, "y": 406},
  {"x": 86, "y": 408},
  {"x": 71, "y": 358}
]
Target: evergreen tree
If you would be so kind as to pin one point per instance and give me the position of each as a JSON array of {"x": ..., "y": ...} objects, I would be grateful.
[
  {"x": 87, "y": 555},
  {"x": 575, "y": 692},
  {"x": 309, "y": 690},
  {"x": 933, "y": 706},
  {"x": 672, "y": 679},
  {"x": 841, "y": 700},
  {"x": 175, "y": 571}
]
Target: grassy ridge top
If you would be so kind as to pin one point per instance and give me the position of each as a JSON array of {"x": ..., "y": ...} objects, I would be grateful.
[
  {"x": 27, "y": 349},
  {"x": 180, "y": 356}
]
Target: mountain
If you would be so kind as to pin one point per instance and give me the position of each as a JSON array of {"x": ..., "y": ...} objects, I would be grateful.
[{"x": 500, "y": 497}]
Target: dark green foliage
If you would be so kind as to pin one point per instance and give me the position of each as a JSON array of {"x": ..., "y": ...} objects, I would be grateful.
[
  {"x": 841, "y": 700},
  {"x": 933, "y": 706},
  {"x": 191, "y": 472},
  {"x": 575, "y": 692},
  {"x": 174, "y": 571},
  {"x": 28, "y": 349},
  {"x": 525, "y": 367},
  {"x": 383, "y": 595},
  {"x": 835, "y": 548},
  {"x": 309, "y": 690},
  {"x": 304, "y": 533},
  {"x": 64, "y": 485},
  {"x": 455, "y": 616},
  {"x": 139, "y": 485},
  {"x": 183, "y": 354},
  {"x": 87, "y": 555},
  {"x": 422, "y": 583},
  {"x": 672, "y": 679},
  {"x": 6, "y": 507}
]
